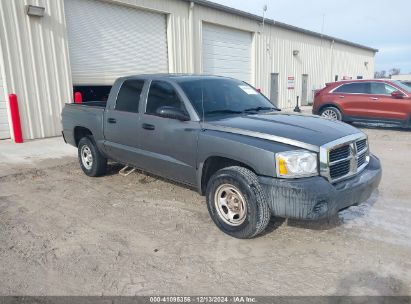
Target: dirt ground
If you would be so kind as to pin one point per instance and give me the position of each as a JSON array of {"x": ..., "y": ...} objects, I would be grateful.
[{"x": 62, "y": 233}]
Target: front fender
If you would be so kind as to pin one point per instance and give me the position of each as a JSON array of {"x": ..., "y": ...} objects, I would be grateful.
[{"x": 258, "y": 154}]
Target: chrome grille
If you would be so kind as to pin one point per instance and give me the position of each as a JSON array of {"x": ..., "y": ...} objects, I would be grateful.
[
  {"x": 340, "y": 161},
  {"x": 340, "y": 169},
  {"x": 361, "y": 159},
  {"x": 344, "y": 158},
  {"x": 339, "y": 153},
  {"x": 361, "y": 145}
]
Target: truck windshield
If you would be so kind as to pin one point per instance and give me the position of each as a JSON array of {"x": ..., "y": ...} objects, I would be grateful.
[{"x": 222, "y": 96}]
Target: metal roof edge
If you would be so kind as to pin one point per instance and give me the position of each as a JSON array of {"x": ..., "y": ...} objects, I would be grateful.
[{"x": 241, "y": 13}]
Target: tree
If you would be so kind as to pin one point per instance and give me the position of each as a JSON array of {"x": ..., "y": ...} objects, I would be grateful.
[
  {"x": 380, "y": 74},
  {"x": 394, "y": 71}
]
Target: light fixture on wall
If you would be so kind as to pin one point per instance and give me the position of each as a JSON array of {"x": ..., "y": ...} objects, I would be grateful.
[
  {"x": 36, "y": 11},
  {"x": 296, "y": 52},
  {"x": 366, "y": 63}
]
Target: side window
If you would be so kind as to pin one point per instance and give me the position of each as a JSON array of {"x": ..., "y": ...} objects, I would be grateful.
[
  {"x": 129, "y": 95},
  {"x": 389, "y": 89},
  {"x": 355, "y": 88},
  {"x": 162, "y": 94},
  {"x": 380, "y": 88}
]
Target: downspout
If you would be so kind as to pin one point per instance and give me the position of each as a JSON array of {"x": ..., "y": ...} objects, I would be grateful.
[
  {"x": 332, "y": 60},
  {"x": 191, "y": 37}
]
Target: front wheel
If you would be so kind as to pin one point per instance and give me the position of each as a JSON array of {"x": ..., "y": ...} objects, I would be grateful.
[
  {"x": 237, "y": 203},
  {"x": 92, "y": 162},
  {"x": 331, "y": 113}
]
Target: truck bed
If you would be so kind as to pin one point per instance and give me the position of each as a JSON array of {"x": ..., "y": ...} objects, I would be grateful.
[
  {"x": 89, "y": 115},
  {"x": 98, "y": 104}
]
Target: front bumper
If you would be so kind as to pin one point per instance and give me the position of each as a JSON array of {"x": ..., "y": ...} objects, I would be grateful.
[{"x": 315, "y": 198}]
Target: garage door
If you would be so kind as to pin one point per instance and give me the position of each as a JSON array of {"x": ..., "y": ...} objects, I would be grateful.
[
  {"x": 4, "y": 123},
  {"x": 227, "y": 52},
  {"x": 107, "y": 41}
]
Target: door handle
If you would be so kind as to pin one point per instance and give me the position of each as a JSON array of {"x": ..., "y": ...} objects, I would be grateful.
[
  {"x": 148, "y": 127},
  {"x": 374, "y": 98},
  {"x": 112, "y": 120},
  {"x": 341, "y": 96}
]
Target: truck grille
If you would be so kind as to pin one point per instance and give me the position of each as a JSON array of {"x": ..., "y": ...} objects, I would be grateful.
[
  {"x": 361, "y": 160},
  {"x": 339, "y": 153},
  {"x": 340, "y": 169},
  {"x": 347, "y": 159},
  {"x": 361, "y": 145}
]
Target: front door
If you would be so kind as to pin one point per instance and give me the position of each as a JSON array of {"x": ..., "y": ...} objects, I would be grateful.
[
  {"x": 274, "y": 89},
  {"x": 304, "y": 90},
  {"x": 122, "y": 124},
  {"x": 169, "y": 146},
  {"x": 383, "y": 106}
]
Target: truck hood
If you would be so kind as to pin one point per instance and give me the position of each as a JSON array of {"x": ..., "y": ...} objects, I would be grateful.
[{"x": 309, "y": 129}]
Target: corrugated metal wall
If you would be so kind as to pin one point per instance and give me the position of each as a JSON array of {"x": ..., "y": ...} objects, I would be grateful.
[
  {"x": 36, "y": 64},
  {"x": 35, "y": 55},
  {"x": 4, "y": 119}
]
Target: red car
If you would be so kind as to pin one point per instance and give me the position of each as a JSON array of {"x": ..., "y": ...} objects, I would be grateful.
[{"x": 387, "y": 101}]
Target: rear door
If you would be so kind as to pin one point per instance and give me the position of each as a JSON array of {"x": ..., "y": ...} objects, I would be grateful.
[
  {"x": 353, "y": 98},
  {"x": 169, "y": 146},
  {"x": 122, "y": 123}
]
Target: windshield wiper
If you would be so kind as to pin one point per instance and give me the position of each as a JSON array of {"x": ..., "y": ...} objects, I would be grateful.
[
  {"x": 225, "y": 111},
  {"x": 257, "y": 109}
]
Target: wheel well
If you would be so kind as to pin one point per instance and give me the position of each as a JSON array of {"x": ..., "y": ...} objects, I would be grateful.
[
  {"x": 329, "y": 105},
  {"x": 80, "y": 132},
  {"x": 215, "y": 163}
]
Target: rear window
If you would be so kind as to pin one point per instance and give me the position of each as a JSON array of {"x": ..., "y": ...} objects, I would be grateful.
[
  {"x": 355, "y": 88},
  {"x": 128, "y": 98}
]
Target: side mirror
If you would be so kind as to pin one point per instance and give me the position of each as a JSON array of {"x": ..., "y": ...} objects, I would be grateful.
[
  {"x": 173, "y": 113},
  {"x": 397, "y": 95}
]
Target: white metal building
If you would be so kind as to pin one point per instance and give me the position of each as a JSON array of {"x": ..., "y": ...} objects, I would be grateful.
[
  {"x": 401, "y": 77},
  {"x": 92, "y": 42}
]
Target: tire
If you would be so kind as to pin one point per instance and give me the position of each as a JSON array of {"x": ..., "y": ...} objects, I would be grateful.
[
  {"x": 331, "y": 113},
  {"x": 92, "y": 162},
  {"x": 244, "y": 195}
]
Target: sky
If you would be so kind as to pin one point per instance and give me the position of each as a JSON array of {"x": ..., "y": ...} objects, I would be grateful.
[{"x": 381, "y": 24}]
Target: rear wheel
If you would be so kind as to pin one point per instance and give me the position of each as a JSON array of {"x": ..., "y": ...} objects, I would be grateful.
[
  {"x": 92, "y": 162},
  {"x": 237, "y": 203},
  {"x": 331, "y": 113}
]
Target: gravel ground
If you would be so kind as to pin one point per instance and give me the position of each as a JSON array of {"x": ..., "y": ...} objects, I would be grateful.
[{"x": 63, "y": 233}]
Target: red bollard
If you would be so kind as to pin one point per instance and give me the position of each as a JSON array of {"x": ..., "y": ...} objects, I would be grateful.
[
  {"x": 78, "y": 98},
  {"x": 15, "y": 119}
]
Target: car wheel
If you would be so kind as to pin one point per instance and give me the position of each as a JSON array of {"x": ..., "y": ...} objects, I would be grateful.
[
  {"x": 331, "y": 113},
  {"x": 237, "y": 203},
  {"x": 92, "y": 162}
]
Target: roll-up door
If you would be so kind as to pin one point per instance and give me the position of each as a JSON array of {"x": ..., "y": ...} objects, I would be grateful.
[
  {"x": 107, "y": 41},
  {"x": 227, "y": 52}
]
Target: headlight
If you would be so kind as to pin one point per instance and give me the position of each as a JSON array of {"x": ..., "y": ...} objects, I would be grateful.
[{"x": 294, "y": 164}]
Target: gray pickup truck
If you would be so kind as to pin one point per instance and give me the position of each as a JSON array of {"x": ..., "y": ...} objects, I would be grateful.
[{"x": 227, "y": 140}]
